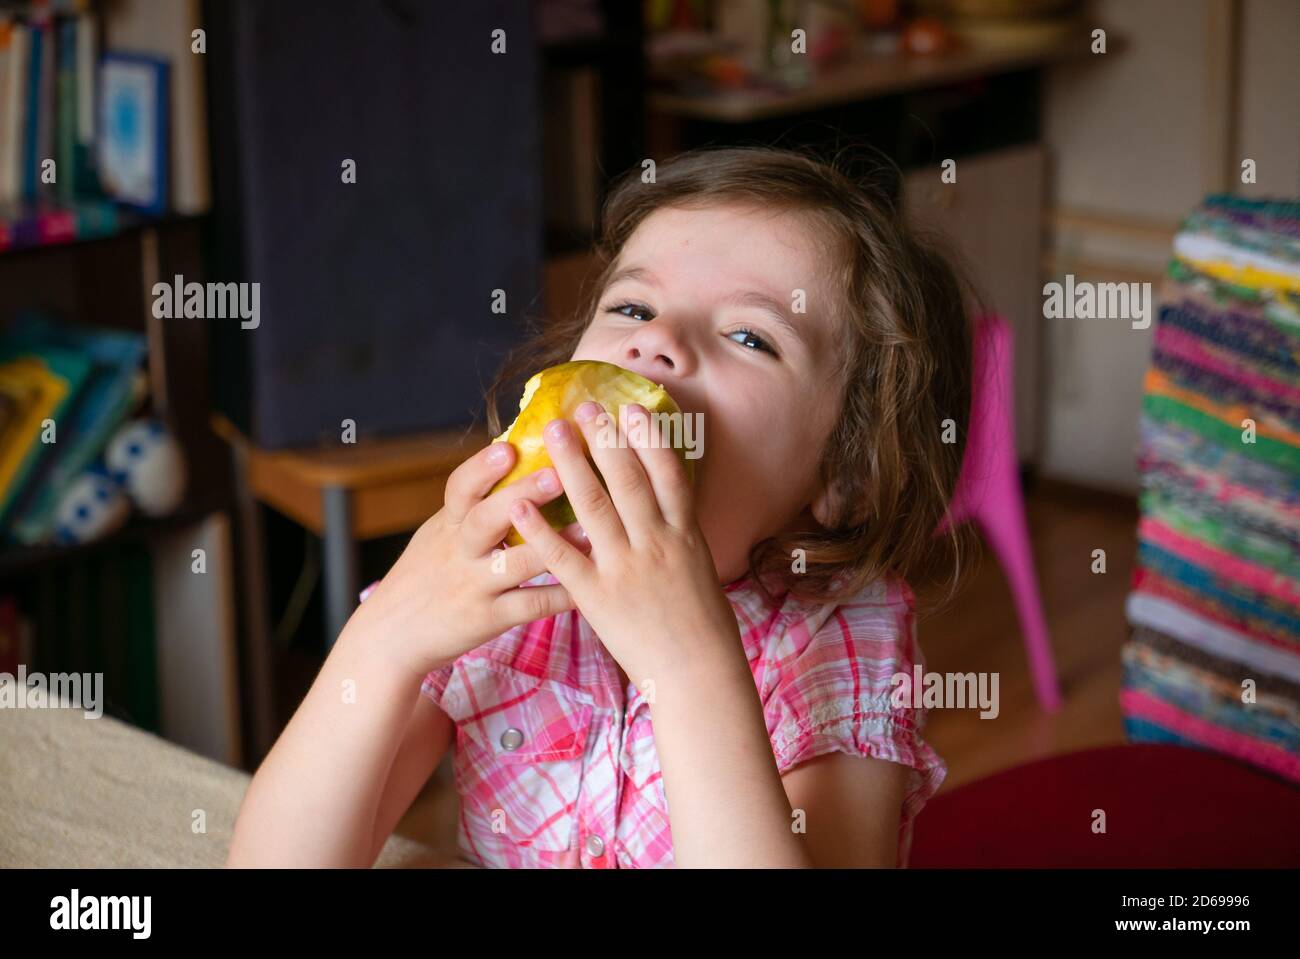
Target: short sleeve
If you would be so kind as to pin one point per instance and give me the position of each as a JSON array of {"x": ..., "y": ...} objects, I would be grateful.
[
  {"x": 835, "y": 693},
  {"x": 435, "y": 684}
]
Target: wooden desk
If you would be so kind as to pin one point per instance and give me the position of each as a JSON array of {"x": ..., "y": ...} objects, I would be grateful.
[
  {"x": 343, "y": 494},
  {"x": 353, "y": 492}
]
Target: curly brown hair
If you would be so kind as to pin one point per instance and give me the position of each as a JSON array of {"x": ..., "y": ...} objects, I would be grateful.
[{"x": 906, "y": 365}]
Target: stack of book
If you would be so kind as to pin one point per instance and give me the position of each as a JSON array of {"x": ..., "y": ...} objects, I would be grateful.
[
  {"x": 50, "y": 85},
  {"x": 1213, "y": 660},
  {"x": 64, "y": 390}
]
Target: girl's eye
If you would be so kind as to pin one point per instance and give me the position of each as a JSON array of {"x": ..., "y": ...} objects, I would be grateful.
[
  {"x": 746, "y": 338},
  {"x": 631, "y": 309},
  {"x": 751, "y": 340}
]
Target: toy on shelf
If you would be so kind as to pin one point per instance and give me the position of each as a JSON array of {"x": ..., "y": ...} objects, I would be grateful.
[
  {"x": 145, "y": 459},
  {"x": 93, "y": 507}
]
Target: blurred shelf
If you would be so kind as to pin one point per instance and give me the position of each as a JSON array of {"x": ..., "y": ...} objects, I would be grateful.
[
  {"x": 19, "y": 560},
  {"x": 128, "y": 224},
  {"x": 866, "y": 78}
]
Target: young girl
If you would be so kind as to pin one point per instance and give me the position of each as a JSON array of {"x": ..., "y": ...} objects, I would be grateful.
[{"x": 699, "y": 674}]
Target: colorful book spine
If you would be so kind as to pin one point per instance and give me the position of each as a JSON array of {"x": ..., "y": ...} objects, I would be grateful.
[
  {"x": 50, "y": 190},
  {"x": 13, "y": 114},
  {"x": 41, "y": 224},
  {"x": 45, "y": 222},
  {"x": 104, "y": 401},
  {"x": 32, "y": 124},
  {"x": 42, "y": 382}
]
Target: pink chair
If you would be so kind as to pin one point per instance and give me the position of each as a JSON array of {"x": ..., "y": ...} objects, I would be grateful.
[{"x": 988, "y": 492}]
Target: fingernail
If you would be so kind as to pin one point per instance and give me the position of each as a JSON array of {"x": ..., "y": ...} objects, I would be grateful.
[
  {"x": 555, "y": 430},
  {"x": 547, "y": 481},
  {"x": 497, "y": 453},
  {"x": 587, "y": 411},
  {"x": 519, "y": 511}
]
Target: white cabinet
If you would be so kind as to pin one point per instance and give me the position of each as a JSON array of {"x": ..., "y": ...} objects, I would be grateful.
[{"x": 993, "y": 216}]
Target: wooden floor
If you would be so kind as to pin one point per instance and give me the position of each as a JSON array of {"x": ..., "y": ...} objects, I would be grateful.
[
  {"x": 979, "y": 633},
  {"x": 1085, "y": 615}
]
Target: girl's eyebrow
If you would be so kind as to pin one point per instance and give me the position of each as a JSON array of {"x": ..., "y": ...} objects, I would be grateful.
[
  {"x": 631, "y": 273},
  {"x": 750, "y": 298}
]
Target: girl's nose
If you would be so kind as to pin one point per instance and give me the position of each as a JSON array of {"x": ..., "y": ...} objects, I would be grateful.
[{"x": 656, "y": 350}]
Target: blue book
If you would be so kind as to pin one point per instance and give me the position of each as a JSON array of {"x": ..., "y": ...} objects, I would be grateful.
[
  {"x": 103, "y": 401},
  {"x": 31, "y": 141},
  {"x": 58, "y": 375}
]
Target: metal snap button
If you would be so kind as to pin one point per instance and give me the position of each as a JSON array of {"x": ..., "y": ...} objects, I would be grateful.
[
  {"x": 595, "y": 846},
  {"x": 511, "y": 739}
]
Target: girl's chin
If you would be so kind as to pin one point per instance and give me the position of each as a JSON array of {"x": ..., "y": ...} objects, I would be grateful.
[{"x": 729, "y": 573}]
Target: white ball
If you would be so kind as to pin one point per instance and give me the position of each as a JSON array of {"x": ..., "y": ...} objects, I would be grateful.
[
  {"x": 147, "y": 461},
  {"x": 92, "y": 507}
]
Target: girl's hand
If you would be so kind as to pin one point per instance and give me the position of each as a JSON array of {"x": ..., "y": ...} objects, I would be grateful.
[
  {"x": 452, "y": 589},
  {"x": 649, "y": 589}
]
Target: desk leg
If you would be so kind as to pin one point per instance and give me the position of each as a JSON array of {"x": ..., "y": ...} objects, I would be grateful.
[
  {"x": 260, "y": 670},
  {"x": 341, "y": 575}
]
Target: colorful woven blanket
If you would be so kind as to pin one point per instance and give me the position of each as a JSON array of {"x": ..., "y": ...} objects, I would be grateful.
[{"x": 1213, "y": 660}]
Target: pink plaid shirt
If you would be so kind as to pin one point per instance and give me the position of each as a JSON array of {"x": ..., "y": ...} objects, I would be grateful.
[{"x": 555, "y": 760}]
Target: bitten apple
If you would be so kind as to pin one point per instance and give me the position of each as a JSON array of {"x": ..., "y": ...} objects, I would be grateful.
[{"x": 555, "y": 393}]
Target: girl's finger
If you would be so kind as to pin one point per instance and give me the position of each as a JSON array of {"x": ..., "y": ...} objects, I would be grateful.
[
  {"x": 487, "y": 523},
  {"x": 471, "y": 480},
  {"x": 591, "y": 504},
  {"x": 619, "y": 464},
  {"x": 524, "y": 604},
  {"x": 667, "y": 475},
  {"x": 564, "y": 560},
  {"x": 514, "y": 565},
  {"x": 576, "y": 535},
  {"x": 511, "y": 566}
]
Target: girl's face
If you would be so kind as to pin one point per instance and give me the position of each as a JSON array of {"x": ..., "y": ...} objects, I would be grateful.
[{"x": 707, "y": 303}]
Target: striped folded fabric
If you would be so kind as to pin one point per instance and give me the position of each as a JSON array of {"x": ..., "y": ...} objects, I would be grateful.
[{"x": 1213, "y": 658}]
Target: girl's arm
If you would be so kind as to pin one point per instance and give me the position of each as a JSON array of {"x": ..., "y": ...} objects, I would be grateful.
[
  {"x": 727, "y": 804},
  {"x": 428, "y": 734},
  {"x": 316, "y": 798},
  {"x": 322, "y": 794}
]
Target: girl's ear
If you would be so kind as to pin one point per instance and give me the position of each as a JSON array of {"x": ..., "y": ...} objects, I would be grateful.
[
  {"x": 828, "y": 508},
  {"x": 823, "y": 506}
]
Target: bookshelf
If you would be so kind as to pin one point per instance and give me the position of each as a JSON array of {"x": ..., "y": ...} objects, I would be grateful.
[
  {"x": 125, "y": 604},
  {"x": 16, "y": 561},
  {"x": 869, "y": 78},
  {"x": 127, "y": 226}
]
